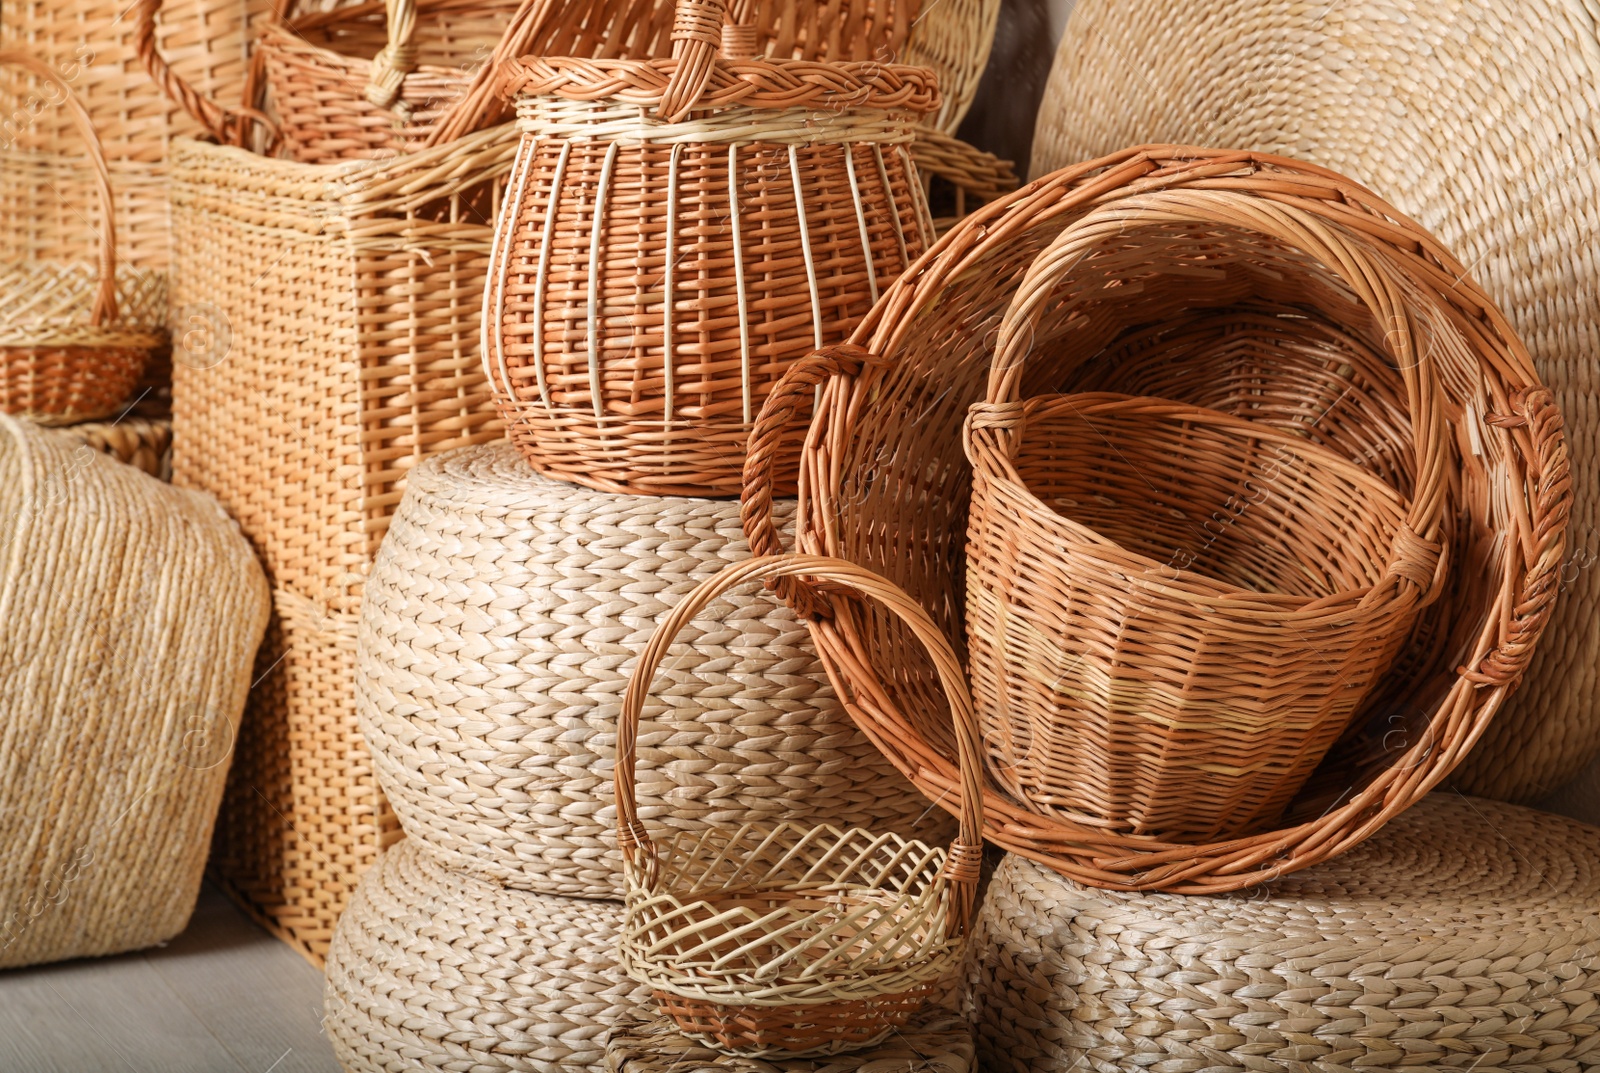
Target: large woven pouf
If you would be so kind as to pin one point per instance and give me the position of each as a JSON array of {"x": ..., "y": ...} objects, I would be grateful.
[
  {"x": 434, "y": 970},
  {"x": 500, "y": 623},
  {"x": 130, "y": 612},
  {"x": 1465, "y": 935},
  {"x": 935, "y": 1042}
]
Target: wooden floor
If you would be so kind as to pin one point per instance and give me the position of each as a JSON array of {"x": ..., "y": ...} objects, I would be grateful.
[{"x": 223, "y": 997}]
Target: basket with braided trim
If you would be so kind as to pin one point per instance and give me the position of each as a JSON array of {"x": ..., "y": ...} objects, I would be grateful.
[
  {"x": 887, "y": 486},
  {"x": 794, "y": 940},
  {"x": 676, "y": 237}
]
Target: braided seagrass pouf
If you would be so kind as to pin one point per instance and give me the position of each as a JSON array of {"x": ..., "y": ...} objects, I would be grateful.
[
  {"x": 431, "y": 969},
  {"x": 502, "y": 617},
  {"x": 1464, "y": 935}
]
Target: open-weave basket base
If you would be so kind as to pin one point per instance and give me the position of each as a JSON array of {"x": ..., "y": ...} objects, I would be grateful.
[
  {"x": 1479, "y": 121},
  {"x": 501, "y": 621},
  {"x": 434, "y": 970},
  {"x": 1464, "y": 936},
  {"x": 934, "y": 1042}
]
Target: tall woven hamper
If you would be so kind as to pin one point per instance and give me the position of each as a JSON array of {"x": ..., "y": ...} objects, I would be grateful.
[
  {"x": 132, "y": 612},
  {"x": 1479, "y": 120},
  {"x": 341, "y": 308},
  {"x": 503, "y": 617},
  {"x": 435, "y": 970},
  {"x": 1464, "y": 936}
]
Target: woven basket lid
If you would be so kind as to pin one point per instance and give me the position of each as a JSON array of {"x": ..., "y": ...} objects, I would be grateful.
[
  {"x": 1464, "y": 935},
  {"x": 1477, "y": 120}
]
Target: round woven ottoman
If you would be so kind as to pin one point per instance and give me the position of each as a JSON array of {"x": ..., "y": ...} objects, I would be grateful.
[
  {"x": 935, "y": 1042},
  {"x": 499, "y": 625},
  {"x": 1465, "y": 935},
  {"x": 433, "y": 970}
]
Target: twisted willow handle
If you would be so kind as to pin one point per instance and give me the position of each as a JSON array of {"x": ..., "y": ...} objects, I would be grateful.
[
  {"x": 230, "y": 126},
  {"x": 966, "y": 852}
]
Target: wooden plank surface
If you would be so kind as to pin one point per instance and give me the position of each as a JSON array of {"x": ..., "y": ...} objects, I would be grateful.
[{"x": 223, "y": 997}]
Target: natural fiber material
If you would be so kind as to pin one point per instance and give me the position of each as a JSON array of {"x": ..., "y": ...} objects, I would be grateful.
[
  {"x": 887, "y": 486},
  {"x": 1174, "y": 613},
  {"x": 787, "y": 939},
  {"x": 1463, "y": 936},
  {"x": 302, "y": 818},
  {"x": 1476, "y": 119},
  {"x": 145, "y": 443},
  {"x": 131, "y": 610},
  {"x": 502, "y": 619},
  {"x": 952, "y": 38},
  {"x": 934, "y": 1042},
  {"x": 433, "y": 970},
  {"x": 342, "y": 307},
  {"x": 957, "y": 177},
  {"x": 75, "y": 333},
  {"x": 631, "y": 337}
]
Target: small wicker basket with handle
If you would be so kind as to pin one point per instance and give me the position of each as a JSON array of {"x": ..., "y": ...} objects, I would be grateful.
[
  {"x": 1172, "y": 613},
  {"x": 790, "y": 940},
  {"x": 75, "y": 336}
]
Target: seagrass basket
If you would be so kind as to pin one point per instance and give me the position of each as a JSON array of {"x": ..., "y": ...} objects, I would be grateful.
[
  {"x": 631, "y": 335},
  {"x": 1172, "y": 613},
  {"x": 1479, "y": 121},
  {"x": 792, "y": 940},
  {"x": 887, "y": 487},
  {"x": 498, "y": 630},
  {"x": 75, "y": 335}
]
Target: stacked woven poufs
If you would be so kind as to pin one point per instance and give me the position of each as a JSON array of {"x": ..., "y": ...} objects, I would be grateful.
[
  {"x": 502, "y": 619},
  {"x": 1465, "y": 935}
]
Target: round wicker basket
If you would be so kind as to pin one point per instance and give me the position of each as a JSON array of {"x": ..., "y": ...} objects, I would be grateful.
[
  {"x": 501, "y": 620},
  {"x": 887, "y": 486},
  {"x": 434, "y": 970},
  {"x": 1478, "y": 120},
  {"x": 1465, "y": 935}
]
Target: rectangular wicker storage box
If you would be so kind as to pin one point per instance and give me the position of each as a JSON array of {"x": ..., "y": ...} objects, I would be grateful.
[{"x": 336, "y": 314}]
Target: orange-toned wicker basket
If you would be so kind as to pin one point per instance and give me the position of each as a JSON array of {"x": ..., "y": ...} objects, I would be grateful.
[
  {"x": 656, "y": 277},
  {"x": 1173, "y": 613},
  {"x": 75, "y": 335},
  {"x": 884, "y": 485},
  {"x": 795, "y": 940}
]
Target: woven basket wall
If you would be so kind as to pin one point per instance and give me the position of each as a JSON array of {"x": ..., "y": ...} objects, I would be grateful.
[
  {"x": 145, "y": 443},
  {"x": 435, "y": 970},
  {"x": 43, "y": 187},
  {"x": 499, "y": 627},
  {"x": 1465, "y": 936},
  {"x": 132, "y": 611},
  {"x": 1477, "y": 120},
  {"x": 935, "y": 1042}
]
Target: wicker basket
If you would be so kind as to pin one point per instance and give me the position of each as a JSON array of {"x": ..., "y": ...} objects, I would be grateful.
[
  {"x": 499, "y": 626},
  {"x": 434, "y": 970},
  {"x": 145, "y": 443},
  {"x": 793, "y": 940},
  {"x": 630, "y": 347},
  {"x": 132, "y": 611},
  {"x": 1461, "y": 937},
  {"x": 1173, "y": 613},
  {"x": 888, "y": 488},
  {"x": 1479, "y": 121},
  {"x": 935, "y": 1042},
  {"x": 75, "y": 336}
]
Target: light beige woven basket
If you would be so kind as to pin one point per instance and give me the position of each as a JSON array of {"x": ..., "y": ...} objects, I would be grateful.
[
  {"x": 1478, "y": 120},
  {"x": 132, "y": 611},
  {"x": 436, "y": 971},
  {"x": 1463, "y": 936},
  {"x": 498, "y": 629},
  {"x": 145, "y": 443}
]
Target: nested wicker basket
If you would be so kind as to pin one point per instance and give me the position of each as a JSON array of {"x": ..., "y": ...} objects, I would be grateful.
[
  {"x": 653, "y": 278},
  {"x": 1172, "y": 613},
  {"x": 74, "y": 335},
  {"x": 794, "y": 940},
  {"x": 498, "y": 629},
  {"x": 887, "y": 486}
]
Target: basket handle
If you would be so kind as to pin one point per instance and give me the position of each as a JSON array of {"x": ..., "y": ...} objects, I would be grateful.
[
  {"x": 104, "y": 309},
  {"x": 1362, "y": 269},
  {"x": 230, "y": 126},
  {"x": 966, "y": 852},
  {"x": 398, "y": 57},
  {"x": 481, "y": 105},
  {"x": 698, "y": 27}
]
